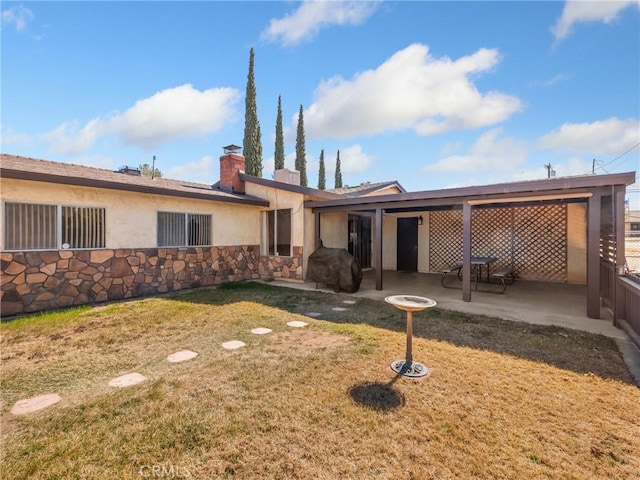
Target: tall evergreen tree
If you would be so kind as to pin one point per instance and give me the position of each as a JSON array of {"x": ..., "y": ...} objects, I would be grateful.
[
  {"x": 252, "y": 142},
  {"x": 301, "y": 155},
  {"x": 279, "y": 153},
  {"x": 322, "y": 180},
  {"x": 338, "y": 183}
]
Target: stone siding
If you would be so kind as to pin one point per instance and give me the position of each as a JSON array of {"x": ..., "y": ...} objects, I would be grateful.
[{"x": 44, "y": 280}]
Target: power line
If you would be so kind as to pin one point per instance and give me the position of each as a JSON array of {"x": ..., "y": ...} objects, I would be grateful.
[{"x": 617, "y": 158}]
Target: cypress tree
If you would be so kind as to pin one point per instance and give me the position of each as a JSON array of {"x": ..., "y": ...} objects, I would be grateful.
[
  {"x": 338, "y": 183},
  {"x": 321, "y": 175},
  {"x": 301, "y": 155},
  {"x": 252, "y": 142},
  {"x": 279, "y": 153}
]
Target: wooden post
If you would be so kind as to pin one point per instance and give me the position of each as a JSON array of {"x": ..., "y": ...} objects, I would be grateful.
[
  {"x": 619, "y": 306},
  {"x": 593, "y": 255},
  {"x": 316, "y": 218},
  {"x": 378, "y": 249},
  {"x": 466, "y": 252}
]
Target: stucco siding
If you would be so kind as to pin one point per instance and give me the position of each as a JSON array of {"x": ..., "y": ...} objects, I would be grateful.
[
  {"x": 131, "y": 218},
  {"x": 334, "y": 230},
  {"x": 279, "y": 200},
  {"x": 577, "y": 243}
]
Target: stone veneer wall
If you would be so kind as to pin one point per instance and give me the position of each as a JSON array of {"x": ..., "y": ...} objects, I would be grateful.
[{"x": 33, "y": 281}]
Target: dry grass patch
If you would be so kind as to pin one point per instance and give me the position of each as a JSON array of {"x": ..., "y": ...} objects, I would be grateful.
[{"x": 505, "y": 400}]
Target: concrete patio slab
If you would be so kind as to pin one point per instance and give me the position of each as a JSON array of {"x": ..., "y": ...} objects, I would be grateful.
[
  {"x": 127, "y": 380},
  {"x": 181, "y": 356},
  {"x": 233, "y": 345},
  {"x": 33, "y": 404}
]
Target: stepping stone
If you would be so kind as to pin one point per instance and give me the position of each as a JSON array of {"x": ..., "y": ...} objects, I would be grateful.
[
  {"x": 181, "y": 356},
  {"x": 349, "y": 302},
  {"x": 313, "y": 314},
  {"x": 339, "y": 309},
  {"x": 127, "y": 380},
  {"x": 233, "y": 345},
  {"x": 297, "y": 324},
  {"x": 261, "y": 331},
  {"x": 34, "y": 404}
]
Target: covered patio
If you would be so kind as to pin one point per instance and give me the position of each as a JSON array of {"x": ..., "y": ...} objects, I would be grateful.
[{"x": 567, "y": 232}]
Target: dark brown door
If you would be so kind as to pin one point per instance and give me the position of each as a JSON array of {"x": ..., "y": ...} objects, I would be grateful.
[{"x": 408, "y": 244}]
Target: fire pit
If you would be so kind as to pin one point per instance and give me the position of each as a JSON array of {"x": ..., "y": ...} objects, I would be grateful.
[{"x": 410, "y": 304}]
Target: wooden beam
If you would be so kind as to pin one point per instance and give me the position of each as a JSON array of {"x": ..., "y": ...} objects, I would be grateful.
[
  {"x": 466, "y": 252},
  {"x": 593, "y": 255},
  {"x": 379, "y": 249}
]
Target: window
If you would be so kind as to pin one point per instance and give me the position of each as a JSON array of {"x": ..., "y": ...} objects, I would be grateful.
[
  {"x": 83, "y": 227},
  {"x": 30, "y": 226},
  {"x": 183, "y": 229},
  {"x": 279, "y": 232}
]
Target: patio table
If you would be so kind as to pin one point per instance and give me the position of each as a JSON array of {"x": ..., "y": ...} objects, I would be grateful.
[
  {"x": 410, "y": 304},
  {"x": 479, "y": 263}
]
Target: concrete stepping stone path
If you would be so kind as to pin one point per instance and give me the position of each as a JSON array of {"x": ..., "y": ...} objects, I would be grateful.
[
  {"x": 181, "y": 356},
  {"x": 233, "y": 345},
  {"x": 339, "y": 309},
  {"x": 297, "y": 324},
  {"x": 261, "y": 331},
  {"x": 127, "y": 380},
  {"x": 34, "y": 404},
  {"x": 349, "y": 302},
  {"x": 313, "y": 314}
]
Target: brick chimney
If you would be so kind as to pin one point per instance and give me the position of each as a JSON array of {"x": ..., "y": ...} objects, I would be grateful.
[{"x": 231, "y": 164}]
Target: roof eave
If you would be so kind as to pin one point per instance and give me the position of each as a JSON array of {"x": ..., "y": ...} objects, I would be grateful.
[
  {"x": 95, "y": 183},
  {"x": 535, "y": 186}
]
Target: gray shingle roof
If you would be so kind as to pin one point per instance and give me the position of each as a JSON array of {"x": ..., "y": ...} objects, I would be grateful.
[{"x": 25, "y": 168}]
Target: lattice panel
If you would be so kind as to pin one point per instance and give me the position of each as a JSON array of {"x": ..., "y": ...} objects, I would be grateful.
[
  {"x": 492, "y": 234},
  {"x": 445, "y": 238},
  {"x": 540, "y": 242},
  {"x": 531, "y": 239}
]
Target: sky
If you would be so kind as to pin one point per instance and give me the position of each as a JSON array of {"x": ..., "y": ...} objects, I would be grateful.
[{"x": 430, "y": 94}]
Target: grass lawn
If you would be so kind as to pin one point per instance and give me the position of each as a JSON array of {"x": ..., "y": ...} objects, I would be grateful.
[{"x": 505, "y": 400}]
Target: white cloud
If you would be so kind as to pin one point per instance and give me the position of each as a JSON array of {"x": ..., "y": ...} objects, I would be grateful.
[
  {"x": 352, "y": 160},
  {"x": 561, "y": 77},
  {"x": 313, "y": 15},
  {"x": 605, "y": 137},
  {"x": 18, "y": 16},
  {"x": 172, "y": 114},
  {"x": 588, "y": 11},
  {"x": 9, "y": 137},
  {"x": 200, "y": 171},
  {"x": 411, "y": 90},
  {"x": 489, "y": 152}
]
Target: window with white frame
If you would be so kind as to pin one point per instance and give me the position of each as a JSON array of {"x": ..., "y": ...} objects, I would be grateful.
[
  {"x": 278, "y": 232},
  {"x": 183, "y": 229},
  {"x": 30, "y": 226}
]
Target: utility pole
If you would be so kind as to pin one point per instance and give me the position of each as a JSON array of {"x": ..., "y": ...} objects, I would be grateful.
[{"x": 548, "y": 167}]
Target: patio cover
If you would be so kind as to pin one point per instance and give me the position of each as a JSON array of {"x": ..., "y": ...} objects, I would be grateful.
[{"x": 591, "y": 189}]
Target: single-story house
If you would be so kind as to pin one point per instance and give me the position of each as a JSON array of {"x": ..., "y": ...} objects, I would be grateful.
[{"x": 73, "y": 234}]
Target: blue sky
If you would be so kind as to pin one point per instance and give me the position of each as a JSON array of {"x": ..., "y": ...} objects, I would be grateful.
[{"x": 431, "y": 94}]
